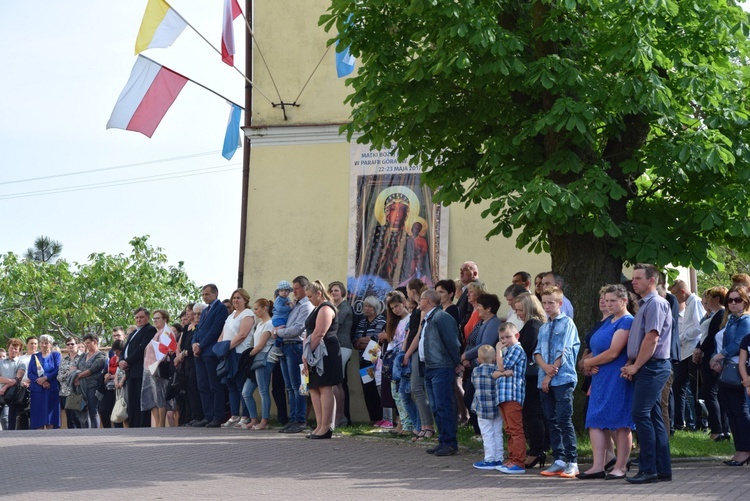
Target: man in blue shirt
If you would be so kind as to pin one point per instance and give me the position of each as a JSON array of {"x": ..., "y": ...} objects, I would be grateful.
[{"x": 649, "y": 368}]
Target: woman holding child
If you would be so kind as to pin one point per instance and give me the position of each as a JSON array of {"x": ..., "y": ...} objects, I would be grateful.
[{"x": 610, "y": 403}]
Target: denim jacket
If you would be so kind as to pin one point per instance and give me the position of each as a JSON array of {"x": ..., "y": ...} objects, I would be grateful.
[
  {"x": 736, "y": 329},
  {"x": 559, "y": 338},
  {"x": 441, "y": 346}
]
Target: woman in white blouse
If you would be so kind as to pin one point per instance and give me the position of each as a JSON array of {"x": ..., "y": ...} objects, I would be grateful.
[{"x": 237, "y": 327}]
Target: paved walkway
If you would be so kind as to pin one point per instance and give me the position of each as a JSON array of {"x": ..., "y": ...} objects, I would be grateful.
[{"x": 189, "y": 463}]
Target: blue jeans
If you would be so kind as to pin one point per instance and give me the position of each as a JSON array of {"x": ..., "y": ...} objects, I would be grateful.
[
  {"x": 557, "y": 405},
  {"x": 411, "y": 408},
  {"x": 653, "y": 436},
  {"x": 292, "y": 380},
  {"x": 210, "y": 388},
  {"x": 262, "y": 382},
  {"x": 439, "y": 386},
  {"x": 92, "y": 407}
]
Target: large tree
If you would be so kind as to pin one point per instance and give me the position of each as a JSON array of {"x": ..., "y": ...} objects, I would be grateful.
[
  {"x": 60, "y": 298},
  {"x": 603, "y": 131}
]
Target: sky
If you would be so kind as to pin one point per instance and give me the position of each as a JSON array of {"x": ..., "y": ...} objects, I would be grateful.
[{"x": 63, "y": 68}]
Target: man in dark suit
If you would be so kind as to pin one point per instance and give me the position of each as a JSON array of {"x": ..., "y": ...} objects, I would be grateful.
[
  {"x": 469, "y": 273},
  {"x": 440, "y": 351},
  {"x": 206, "y": 334},
  {"x": 132, "y": 362}
]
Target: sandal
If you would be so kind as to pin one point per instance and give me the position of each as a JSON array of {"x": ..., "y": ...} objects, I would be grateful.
[
  {"x": 417, "y": 436},
  {"x": 428, "y": 434}
]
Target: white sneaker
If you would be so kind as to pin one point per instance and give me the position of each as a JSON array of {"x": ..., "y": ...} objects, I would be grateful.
[
  {"x": 555, "y": 469},
  {"x": 571, "y": 470}
]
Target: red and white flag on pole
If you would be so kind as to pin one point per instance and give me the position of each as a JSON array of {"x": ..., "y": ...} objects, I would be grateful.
[{"x": 231, "y": 12}]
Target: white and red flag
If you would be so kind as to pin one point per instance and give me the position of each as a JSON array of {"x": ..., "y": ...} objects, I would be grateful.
[
  {"x": 231, "y": 12},
  {"x": 146, "y": 98}
]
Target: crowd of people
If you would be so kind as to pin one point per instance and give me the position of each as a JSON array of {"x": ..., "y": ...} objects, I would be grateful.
[{"x": 430, "y": 360}]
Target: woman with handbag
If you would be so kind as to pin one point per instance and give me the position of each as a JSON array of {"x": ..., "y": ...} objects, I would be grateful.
[
  {"x": 732, "y": 398},
  {"x": 154, "y": 389},
  {"x": 89, "y": 365},
  {"x": 261, "y": 368},
  {"x": 11, "y": 374},
  {"x": 63, "y": 375},
  {"x": 237, "y": 327},
  {"x": 45, "y": 399}
]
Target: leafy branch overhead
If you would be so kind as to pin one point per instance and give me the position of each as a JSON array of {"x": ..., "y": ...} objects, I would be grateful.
[{"x": 625, "y": 121}]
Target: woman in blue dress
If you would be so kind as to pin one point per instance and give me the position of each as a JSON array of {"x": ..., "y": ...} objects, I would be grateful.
[
  {"x": 610, "y": 403},
  {"x": 44, "y": 389}
]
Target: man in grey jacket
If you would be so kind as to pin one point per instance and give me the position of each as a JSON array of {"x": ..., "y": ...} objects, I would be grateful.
[
  {"x": 291, "y": 336},
  {"x": 439, "y": 349}
]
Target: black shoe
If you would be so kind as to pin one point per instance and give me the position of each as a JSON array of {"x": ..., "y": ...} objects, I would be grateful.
[
  {"x": 293, "y": 427},
  {"x": 540, "y": 460},
  {"x": 643, "y": 478},
  {"x": 732, "y": 462},
  {"x": 664, "y": 477},
  {"x": 433, "y": 450},
  {"x": 610, "y": 465},
  {"x": 214, "y": 424},
  {"x": 592, "y": 476},
  {"x": 327, "y": 434},
  {"x": 199, "y": 424},
  {"x": 610, "y": 476},
  {"x": 446, "y": 451}
]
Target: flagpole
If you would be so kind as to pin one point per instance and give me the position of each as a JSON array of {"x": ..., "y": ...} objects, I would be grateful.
[
  {"x": 246, "y": 149},
  {"x": 191, "y": 80},
  {"x": 218, "y": 52}
]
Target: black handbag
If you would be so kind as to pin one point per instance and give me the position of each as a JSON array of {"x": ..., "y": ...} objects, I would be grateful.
[
  {"x": 259, "y": 361},
  {"x": 730, "y": 374},
  {"x": 222, "y": 370},
  {"x": 178, "y": 380}
]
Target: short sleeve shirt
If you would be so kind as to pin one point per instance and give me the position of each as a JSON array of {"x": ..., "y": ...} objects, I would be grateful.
[
  {"x": 745, "y": 345},
  {"x": 654, "y": 314}
]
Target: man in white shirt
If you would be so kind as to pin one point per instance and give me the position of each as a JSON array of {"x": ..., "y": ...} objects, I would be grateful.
[{"x": 686, "y": 371}]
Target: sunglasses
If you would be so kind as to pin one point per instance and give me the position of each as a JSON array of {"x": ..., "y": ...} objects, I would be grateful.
[{"x": 735, "y": 300}]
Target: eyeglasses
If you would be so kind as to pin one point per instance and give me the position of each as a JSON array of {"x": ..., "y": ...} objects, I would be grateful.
[
  {"x": 158, "y": 318},
  {"x": 735, "y": 300}
]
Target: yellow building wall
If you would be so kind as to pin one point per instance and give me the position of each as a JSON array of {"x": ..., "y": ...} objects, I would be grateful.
[{"x": 289, "y": 38}]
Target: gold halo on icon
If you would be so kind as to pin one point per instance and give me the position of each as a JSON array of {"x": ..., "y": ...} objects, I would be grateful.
[
  {"x": 421, "y": 221},
  {"x": 414, "y": 206}
]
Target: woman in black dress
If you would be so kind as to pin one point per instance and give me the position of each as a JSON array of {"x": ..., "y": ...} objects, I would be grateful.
[{"x": 324, "y": 370}]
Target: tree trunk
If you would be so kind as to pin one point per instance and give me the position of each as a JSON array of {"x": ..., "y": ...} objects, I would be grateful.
[{"x": 586, "y": 264}]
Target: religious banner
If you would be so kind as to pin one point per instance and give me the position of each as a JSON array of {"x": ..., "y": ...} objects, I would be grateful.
[{"x": 396, "y": 232}]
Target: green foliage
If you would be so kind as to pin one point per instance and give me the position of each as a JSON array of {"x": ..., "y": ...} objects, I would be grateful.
[
  {"x": 62, "y": 299},
  {"x": 734, "y": 261},
  {"x": 622, "y": 119}
]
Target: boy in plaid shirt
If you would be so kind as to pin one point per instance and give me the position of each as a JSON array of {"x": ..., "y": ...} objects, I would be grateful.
[
  {"x": 486, "y": 409},
  {"x": 511, "y": 391}
]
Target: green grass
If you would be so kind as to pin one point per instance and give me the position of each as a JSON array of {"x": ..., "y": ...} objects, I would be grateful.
[{"x": 684, "y": 444}]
